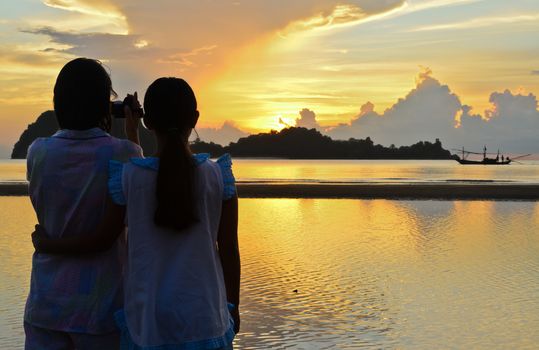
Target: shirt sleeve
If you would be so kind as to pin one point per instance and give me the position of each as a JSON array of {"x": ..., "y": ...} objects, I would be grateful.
[
  {"x": 29, "y": 160},
  {"x": 35, "y": 153},
  {"x": 133, "y": 150},
  {"x": 115, "y": 182},
  {"x": 229, "y": 182}
]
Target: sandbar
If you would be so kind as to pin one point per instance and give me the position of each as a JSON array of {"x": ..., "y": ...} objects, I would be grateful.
[{"x": 437, "y": 190}]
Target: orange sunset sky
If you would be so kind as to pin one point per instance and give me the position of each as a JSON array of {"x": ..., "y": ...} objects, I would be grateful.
[{"x": 466, "y": 71}]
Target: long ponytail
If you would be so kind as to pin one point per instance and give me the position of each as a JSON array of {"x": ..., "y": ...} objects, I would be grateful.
[{"x": 170, "y": 106}]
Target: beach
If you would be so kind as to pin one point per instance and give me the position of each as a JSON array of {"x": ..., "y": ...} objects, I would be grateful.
[{"x": 449, "y": 191}]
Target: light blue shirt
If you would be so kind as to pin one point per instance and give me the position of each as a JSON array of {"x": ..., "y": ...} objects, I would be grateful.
[{"x": 175, "y": 296}]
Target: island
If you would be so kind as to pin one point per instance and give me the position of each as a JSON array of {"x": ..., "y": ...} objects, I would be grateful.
[
  {"x": 302, "y": 143},
  {"x": 46, "y": 125},
  {"x": 289, "y": 143}
]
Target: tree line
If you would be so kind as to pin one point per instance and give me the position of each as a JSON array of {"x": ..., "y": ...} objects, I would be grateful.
[
  {"x": 292, "y": 143},
  {"x": 302, "y": 143}
]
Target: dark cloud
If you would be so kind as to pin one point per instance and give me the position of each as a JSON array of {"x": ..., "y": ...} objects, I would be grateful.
[{"x": 535, "y": 72}]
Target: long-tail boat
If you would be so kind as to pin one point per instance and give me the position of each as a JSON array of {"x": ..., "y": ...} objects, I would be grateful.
[{"x": 486, "y": 160}]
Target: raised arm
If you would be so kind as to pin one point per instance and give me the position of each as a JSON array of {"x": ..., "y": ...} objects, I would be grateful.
[
  {"x": 102, "y": 239},
  {"x": 133, "y": 115},
  {"x": 229, "y": 253}
]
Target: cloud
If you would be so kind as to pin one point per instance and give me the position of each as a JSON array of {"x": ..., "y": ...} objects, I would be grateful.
[
  {"x": 231, "y": 26},
  {"x": 307, "y": 119},
  {"x": 432, "y": 110},
  {"x": 507, "y": 104},
  {"x": 356, "y": 12},
  {"x": 100, "y": 45},
  {"x": 196, "y": 39},
  {"x": 465, "y": 112},
  {"x": 481, "y": 22},
  {"x": 15, "y": 56},
  {"x": 227, "y": 133},
  {"x": 103, "y": 9},
  {"x": 341, "y": 14},
  {"x": 5, "y": 151},
  {"x": 423, "y": 113},
  {"x": 186, "y": 58},
  {"x": 535, "y": 72}
]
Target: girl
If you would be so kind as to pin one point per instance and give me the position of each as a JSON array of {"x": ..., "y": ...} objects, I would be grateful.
[{"x": 183, "y": 265}]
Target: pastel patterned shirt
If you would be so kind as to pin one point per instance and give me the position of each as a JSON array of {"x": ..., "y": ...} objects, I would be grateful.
[
  {"x": 175, "y": 296},
  {"x": 67, "y": 176}
]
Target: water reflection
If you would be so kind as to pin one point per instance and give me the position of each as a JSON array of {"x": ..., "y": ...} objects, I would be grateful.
[
  {"x": 350, "y": 170},
  {"x": 368, "y": 273},
  {"x": 385, "y": 274},
  {"x": 17, "y": 221},
  {"x": 380, "y": 170}
]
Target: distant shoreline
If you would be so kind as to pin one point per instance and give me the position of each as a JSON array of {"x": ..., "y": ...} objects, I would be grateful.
[{"x": 399, "y": 191}]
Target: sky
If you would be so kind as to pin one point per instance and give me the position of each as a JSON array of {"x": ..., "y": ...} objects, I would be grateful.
[{"x": 399, "y": 71}]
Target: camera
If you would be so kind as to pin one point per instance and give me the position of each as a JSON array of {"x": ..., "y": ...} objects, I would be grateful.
[{"x": 117, "y": 108}]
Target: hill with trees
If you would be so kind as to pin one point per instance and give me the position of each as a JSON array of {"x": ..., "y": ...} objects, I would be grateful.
[
  {"x": 301, "y": 143},
  {"x": 46, "y": 125},
  {"x": 291, "y": 143}
]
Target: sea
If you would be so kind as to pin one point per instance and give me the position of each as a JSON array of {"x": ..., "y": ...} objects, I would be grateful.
[
  {"x": 355, "y": 274},
  {"x": 353, "y": 171}
]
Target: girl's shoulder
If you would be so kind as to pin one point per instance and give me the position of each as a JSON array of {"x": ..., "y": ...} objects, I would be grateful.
[
  {"x": 220, "y": 170},
  {"x": 152, "y": 163},
  {"x": 224, "y": 164},
  {"x": 141, "y": 170}
]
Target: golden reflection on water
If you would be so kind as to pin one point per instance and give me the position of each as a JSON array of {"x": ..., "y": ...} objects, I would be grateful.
[
  {"x": 379, "y": 170},
  {"x": 349, "y": 170},
  {"x": 17, "y": 220},
  {"x": 379, "y": 274},
  {"x": 356, "y": 273},
  {"x": 12, "y": 170}
]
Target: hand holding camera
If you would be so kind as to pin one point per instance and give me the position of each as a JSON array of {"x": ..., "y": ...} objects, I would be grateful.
[
  {"x": 131, "y": 110},
  {"x": 131, "y": 101}
]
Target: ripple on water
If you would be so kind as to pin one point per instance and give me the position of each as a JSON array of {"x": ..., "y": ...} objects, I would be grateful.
[{"x": 368, "y": 274}]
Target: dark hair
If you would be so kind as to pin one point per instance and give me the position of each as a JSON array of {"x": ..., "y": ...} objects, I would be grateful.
[
  {"x": 82, "y": 95},
  {"x": 171, "y": 109}
]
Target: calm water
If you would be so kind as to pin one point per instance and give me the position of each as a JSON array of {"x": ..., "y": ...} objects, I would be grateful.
[
  {"x": 369, "y": 273},
  {"x": 351, "y": 171}
]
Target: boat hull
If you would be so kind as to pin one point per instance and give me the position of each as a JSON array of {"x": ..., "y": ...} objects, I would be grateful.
[{"x": 482, "y": 162}]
